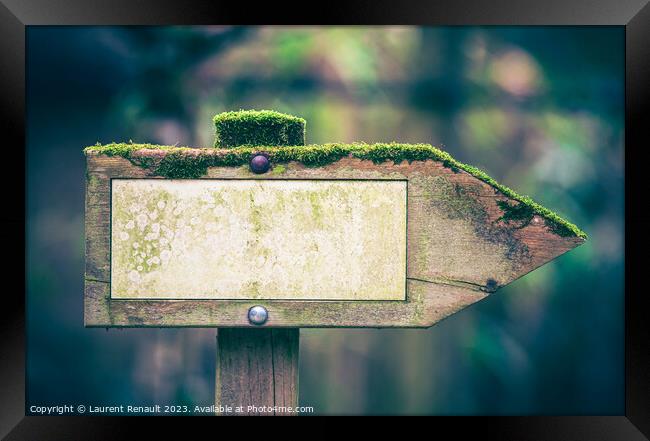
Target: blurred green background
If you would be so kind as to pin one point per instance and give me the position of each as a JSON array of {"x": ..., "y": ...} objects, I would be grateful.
[{"x": 539, "y": 108}]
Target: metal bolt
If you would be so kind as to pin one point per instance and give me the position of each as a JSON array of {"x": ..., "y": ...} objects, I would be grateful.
[
  {"x": 491, "y": 285},
  {"x": 260, "y": 164},
  {"x": 258, "y": 315}
]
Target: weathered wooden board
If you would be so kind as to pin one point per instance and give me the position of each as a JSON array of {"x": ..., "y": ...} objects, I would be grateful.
[
  {"x": 458, "y": 250},
  {"x": 258, "y": 239},
  {"x": 257, "y": 371}
]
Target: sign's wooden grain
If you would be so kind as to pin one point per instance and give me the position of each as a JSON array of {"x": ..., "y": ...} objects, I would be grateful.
[
  {"x": 459, "y": 249},
  {"x": 257, "y": 371}
]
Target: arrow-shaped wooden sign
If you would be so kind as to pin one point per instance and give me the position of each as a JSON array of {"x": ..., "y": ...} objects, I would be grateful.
[
  {"x": 346, "y": 235},
  {"x": 262, "y": 231}
]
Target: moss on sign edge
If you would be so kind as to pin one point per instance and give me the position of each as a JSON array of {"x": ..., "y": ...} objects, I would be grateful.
[
  {"x": 258, "y": 127},
  {"x": 189, "y": 163}
]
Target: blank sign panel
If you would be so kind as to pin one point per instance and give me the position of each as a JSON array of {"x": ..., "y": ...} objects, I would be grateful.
[{"x": 258, "y": 239}]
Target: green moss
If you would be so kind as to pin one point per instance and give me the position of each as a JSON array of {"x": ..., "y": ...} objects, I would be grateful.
[
  {"x": 524, "y": 211},
  {"x": 520, "y": 213},
  {"x": 176, "y": 164},
  {"x": 278, "y": 169},
  {"x": 185, "y": 162},
  {"x": 258, "y": 127}
]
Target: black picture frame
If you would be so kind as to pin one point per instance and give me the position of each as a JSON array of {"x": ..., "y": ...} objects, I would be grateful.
[{"x": 634, "y": 15}]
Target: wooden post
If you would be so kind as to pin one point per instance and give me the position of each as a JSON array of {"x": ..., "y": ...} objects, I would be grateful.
[{"x": 257, "y": 369}]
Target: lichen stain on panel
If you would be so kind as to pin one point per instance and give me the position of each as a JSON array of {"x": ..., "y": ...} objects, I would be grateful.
[
  {"x": 258, "y": 239},
  {"x": 453, "y": 238}
]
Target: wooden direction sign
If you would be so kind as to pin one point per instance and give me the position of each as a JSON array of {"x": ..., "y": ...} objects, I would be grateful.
[{"x": 335, "y": 235}]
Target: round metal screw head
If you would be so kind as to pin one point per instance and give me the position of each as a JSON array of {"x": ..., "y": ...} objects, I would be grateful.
[
  {"x": 258, "y": 315},
  {"x": 260, "y": 164}
]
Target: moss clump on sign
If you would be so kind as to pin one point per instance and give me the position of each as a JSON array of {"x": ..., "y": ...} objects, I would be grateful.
[
  {"x": 257, "y": 128},
  {"x": 188, "y": 163},
  {"x": 177, "y": 164},
  {"x": 526, "y": 209},
  {"x": 278, "y": 169}
]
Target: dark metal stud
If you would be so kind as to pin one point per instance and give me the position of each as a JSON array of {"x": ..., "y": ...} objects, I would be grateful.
[{"x": 260, "y": 164}]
